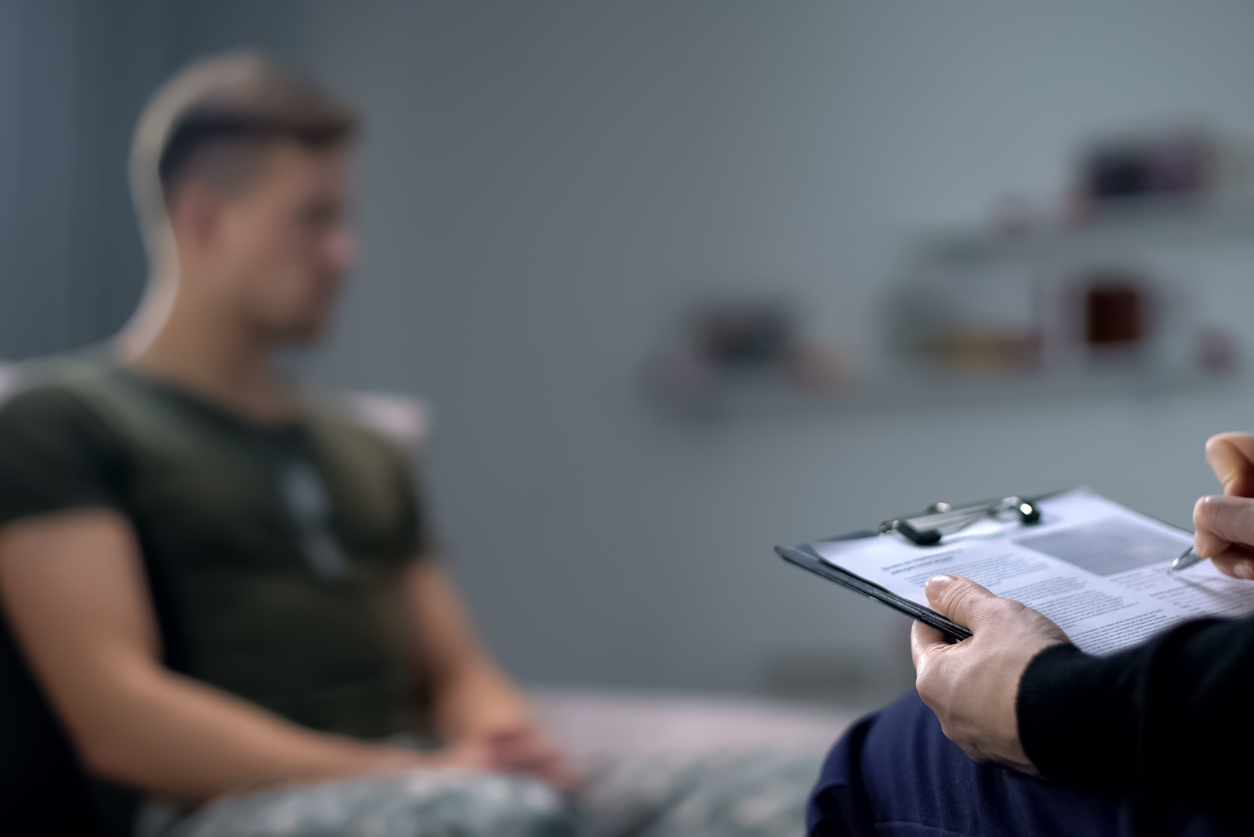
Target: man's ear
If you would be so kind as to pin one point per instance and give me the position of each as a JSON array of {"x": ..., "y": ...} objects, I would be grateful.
[{"x": 194, "y": 215}]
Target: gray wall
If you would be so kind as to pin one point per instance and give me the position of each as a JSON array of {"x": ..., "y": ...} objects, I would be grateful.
[
  {"x": 36, "y": 202},
  {"x": 73, "y": 76},
  {"x": 544, "y": 184}
]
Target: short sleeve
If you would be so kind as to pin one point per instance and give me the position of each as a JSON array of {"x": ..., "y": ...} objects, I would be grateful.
[{"x": 56, "y": 454}]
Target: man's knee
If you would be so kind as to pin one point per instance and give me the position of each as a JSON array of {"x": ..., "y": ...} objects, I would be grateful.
[
  {"x": 448, "y": 803},
  {"x": 511, "y": 807}
]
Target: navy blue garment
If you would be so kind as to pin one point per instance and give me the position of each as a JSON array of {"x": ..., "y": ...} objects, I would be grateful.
[{"x": 895, "y": 774}]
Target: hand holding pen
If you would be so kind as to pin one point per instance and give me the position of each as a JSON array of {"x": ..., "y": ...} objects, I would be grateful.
[{"x": 1225, "y": 523}]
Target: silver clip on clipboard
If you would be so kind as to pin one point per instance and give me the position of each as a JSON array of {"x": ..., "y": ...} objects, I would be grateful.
[{"x": 942, "y": 519}]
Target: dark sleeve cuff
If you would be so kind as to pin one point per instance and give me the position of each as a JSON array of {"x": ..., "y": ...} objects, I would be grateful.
[{"x": 1076, "y": 718}]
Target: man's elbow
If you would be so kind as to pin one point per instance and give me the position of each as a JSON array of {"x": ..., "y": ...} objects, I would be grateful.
[
  {"x": 110, "y": 749},
  {"x": 108, "y": 760},
  {"x": 112, "y": 734}
]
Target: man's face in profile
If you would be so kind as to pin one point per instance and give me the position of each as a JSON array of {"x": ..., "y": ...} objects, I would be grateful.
[{"x": 284, "y": 243}]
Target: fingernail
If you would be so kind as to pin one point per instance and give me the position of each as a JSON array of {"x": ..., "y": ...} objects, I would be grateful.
[
  {"x": 938, "y": 583},
  {"x": 1243, "y": 570}
]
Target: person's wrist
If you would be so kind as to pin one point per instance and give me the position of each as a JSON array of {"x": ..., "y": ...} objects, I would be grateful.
[
  {"x": 1016, "y": 751},
  {"x": 361, "y": 759},
  {"x": 1057, "y": 692},
  {"x": 343, "y": 759}
]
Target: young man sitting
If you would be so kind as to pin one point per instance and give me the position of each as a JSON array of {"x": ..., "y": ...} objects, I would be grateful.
[{"x": 225, "y": 586}]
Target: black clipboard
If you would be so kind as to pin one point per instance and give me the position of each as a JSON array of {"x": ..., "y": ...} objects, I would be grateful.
[
  {"x": 806, "y": 558},
  {"x": 925, "y": 529}
]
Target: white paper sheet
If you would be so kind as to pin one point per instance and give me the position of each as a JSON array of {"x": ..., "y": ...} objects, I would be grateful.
[{"x": 1096, "y": 568}]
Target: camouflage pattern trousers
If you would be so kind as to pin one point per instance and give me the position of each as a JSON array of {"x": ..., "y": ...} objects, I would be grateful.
[{"x": 742, "y": 794}]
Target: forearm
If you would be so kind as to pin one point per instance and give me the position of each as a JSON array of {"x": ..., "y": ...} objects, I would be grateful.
[
  {"x": 170, "y": 734},
  {"x": 74, "y": 591},
  {"x": 1168, "y": 714},
  {"x": 470, "y": 693},
  {"x": 476, "y": 698}
]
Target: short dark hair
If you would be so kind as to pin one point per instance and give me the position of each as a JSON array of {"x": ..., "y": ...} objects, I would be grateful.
[{"x": 241, "y": 100}]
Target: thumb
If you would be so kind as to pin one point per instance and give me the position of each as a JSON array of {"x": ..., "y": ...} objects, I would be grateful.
[
  {"x": 961, "y": 599},
  {"x": 1231, "y": 456}
]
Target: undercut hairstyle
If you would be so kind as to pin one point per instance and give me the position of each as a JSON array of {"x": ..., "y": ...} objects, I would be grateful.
[{"x": 214, "y": 119}]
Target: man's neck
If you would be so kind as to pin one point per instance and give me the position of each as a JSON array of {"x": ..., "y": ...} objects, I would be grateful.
[{"x": 218, "y": 358}]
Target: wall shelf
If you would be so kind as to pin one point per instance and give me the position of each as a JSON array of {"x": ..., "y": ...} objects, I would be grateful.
[
  {"x": 1137, "y": 224},
  {"x": 748, "y": 396}
]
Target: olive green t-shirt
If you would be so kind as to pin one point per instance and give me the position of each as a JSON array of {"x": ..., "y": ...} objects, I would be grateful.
[{"x": 271, "y": 551}]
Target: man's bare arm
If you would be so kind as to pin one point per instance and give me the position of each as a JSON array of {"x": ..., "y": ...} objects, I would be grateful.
[
  {"x": 73, "y": 590},
  {"x": 475, "y": 702},
  {"x": 472, "y": 695}
]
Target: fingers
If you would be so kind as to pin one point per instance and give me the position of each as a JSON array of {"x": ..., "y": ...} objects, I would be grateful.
[
  {"x": 1225, "y": 525},
  {"x": 552, "y": 769},
  {"x": 1236, "y": 561},
  {"x": 922, "y": 640},
  {"x": 526, "y": 752},
  {"x": 1222, "y": 522},
  {"x": 469, "y": 755},
  {"x": 961, "y": 599},
  {"x": 1231, "y": 456}
]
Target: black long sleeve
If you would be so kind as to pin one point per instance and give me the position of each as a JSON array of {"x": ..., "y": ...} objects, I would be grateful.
[{"x": 1173, "y": 715}]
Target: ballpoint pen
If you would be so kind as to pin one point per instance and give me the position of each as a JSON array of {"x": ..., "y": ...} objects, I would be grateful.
[{"x": 1188, "y": 559}]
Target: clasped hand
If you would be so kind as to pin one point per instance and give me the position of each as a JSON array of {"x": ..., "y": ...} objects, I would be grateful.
[{"x": 522, "y": 750}]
